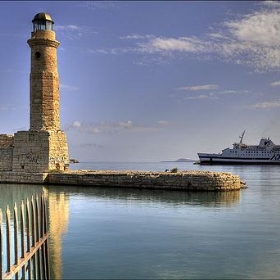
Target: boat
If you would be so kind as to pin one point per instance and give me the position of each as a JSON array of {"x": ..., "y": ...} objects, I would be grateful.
[
  {"x": 72, "y": 160},
  {"x": 264, "y": 153}
]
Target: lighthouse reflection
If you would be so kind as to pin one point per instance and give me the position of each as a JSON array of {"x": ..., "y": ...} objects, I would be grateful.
[{"x": 58, "y": 223}]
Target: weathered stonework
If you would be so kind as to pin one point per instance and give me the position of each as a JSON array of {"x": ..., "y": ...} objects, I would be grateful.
[
  {"x": 44, "y": 147},
  {"x": 6, "y": 151},
  {"x": 40, "y": 151},
  {"x": 183, "y": 180},
  {"x": 6, "y": 140},
  {"x": 44, "y": 81}
]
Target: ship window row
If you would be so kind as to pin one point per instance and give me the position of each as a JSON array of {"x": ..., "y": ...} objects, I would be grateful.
[{"x": 252, "y": 152}]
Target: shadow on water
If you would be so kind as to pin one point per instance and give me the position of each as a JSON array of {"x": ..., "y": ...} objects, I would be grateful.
[
  {"x": 15, "y": 193},
  {"x": 210, "y": 199}
]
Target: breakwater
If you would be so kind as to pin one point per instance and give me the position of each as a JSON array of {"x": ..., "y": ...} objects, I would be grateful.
[{"x": 183, "y": 180}]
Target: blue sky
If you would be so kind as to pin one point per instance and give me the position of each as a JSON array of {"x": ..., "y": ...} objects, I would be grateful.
[{"x": 150, "y": 81}]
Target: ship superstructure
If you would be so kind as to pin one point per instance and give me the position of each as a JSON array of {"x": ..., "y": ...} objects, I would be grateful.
[{"x": 266, "y": 152}]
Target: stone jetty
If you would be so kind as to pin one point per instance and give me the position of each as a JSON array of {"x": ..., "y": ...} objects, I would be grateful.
[{"x": 182, "y": 180}]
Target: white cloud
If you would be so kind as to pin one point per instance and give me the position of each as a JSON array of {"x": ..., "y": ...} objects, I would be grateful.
[
  {"x": 250, "y": 40},
  {"x": 67, "y": 28},
  {"x": 201, "y": 96},
  {"x": 136, "y": 37},
  {"x": 74, "y": 32},
  {"x": 272, "y": 3},
  {"x": 199, "y": 87},
  {"x": 105, "y": 127},
  {"x": 76, "y": 124},
  {"x": 164, "y": 123},
  {"x": 261, "y": 28},
  {"x": 97, "y": 5},
  {"x": 267, "y": 105},
  {"x": 275, "y": 84},
  {"x": 213, "y": 94},
  {"x": 113, "y": 51},
  {"x": 182, "y": 44},
  {"x": 68, "y": 88}
]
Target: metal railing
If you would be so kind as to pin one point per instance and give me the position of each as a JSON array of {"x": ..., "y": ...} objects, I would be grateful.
[{"x": 24, "y": 241}]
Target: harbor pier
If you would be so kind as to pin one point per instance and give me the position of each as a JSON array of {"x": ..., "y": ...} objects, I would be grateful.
[{"x": 182, "y": 180}]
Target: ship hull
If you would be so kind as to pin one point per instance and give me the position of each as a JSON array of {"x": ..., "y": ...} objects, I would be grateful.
[{"x": 219, "y": 159}]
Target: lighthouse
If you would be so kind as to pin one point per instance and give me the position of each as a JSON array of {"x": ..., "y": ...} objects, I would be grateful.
[
  {"x": 44, "y": 78},
  {"x": 44, "y": 147}
]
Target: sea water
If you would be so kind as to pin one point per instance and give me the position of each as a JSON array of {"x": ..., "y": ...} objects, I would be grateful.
[{"x": 111, "y": 233}]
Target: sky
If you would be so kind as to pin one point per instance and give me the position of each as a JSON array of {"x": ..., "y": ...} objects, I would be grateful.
[{"x": 150, "y": 80}]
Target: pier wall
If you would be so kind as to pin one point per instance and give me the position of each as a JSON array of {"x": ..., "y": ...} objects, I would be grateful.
[
  {"x": 23, "y": 177},
  {"x": 183, "y": 180},
  {"x": 6, "y": 151}
]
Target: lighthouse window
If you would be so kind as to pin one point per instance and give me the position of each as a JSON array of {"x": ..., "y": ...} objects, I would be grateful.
[
  {"x": 49, "y": 25},
  {"x": 42, "y": 25},
  {"x": 37, "y": 55}
]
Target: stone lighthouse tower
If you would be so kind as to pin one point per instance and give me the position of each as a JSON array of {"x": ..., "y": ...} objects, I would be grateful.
[
  {"x": 44, "y": 79},
  {"x": 44, "y": 147}
]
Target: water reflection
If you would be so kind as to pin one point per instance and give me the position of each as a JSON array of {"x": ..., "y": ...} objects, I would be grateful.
[
  {"x": 59, "y": 204},
  {"x": 15, "y": 193},
  {"x": 210, "y": 199},
  {"x": 58, "y": 223},
  {"x": 59, "y": 198}
]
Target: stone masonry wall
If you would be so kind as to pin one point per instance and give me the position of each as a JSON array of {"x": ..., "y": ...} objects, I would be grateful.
[
  {"x": 58, "y": 151},
  {"x": 184, "y": 180},
  {"x": 22, "y": 177},
  {"x": 6, "y": 140},
  {"x": 31, "y": 151},
  {"x": 40, "y": 151},
  {"x": 44, "y": 82},
  {"x": 6, "y": 152}
]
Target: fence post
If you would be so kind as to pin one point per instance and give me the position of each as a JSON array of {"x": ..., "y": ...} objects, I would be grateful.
[
  {"x": 32, "y": 259},
  {"x": 1, "y": 248},
  {"x": 28, "y": 234},
  {"x": 22, "y": 230},
  {"x": 8, "y": 236}
]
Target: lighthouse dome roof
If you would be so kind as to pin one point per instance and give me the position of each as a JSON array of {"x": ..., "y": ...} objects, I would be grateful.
[{"x": 42, "y": 17}]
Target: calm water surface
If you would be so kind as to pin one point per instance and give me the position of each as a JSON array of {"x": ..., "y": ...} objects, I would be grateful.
[{"x": 114, "y": 233}]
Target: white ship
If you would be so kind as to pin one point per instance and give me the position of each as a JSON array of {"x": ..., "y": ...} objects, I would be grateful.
[{"x": 264, "y": 153}]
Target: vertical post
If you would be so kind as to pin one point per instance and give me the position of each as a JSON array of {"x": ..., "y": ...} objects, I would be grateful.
[
  {"x": 36, "y": 255},
  {"x": 1, "y": 248},
  {"x": 22, "y": 227},
  {"x": 8, "y": 236},
  {"x": 45, "y": 252},
  {"x": 41, "y": 235},
  {"x": 38, "y": 235},
  {"x": 33, "y": 222},
  {"x": 28, "y": 235},
  {"x": 15, "y": 237}
]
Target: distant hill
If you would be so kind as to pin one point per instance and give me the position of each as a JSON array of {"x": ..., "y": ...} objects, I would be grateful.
[{"x": 180, "y": 160}]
